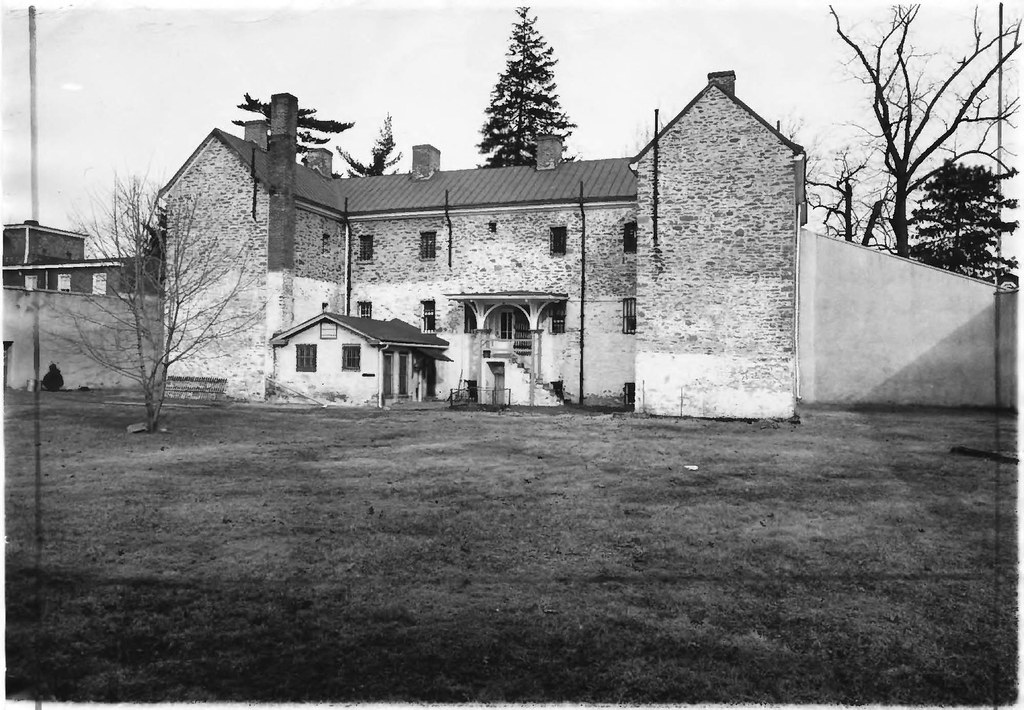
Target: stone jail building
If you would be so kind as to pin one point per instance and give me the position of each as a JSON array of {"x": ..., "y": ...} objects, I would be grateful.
[{"x": 667, "y": 280}]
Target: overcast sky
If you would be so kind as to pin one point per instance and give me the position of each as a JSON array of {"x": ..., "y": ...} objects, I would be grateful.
[{"x": 133, "y": 88}]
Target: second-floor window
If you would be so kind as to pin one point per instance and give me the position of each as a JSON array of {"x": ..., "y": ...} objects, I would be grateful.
[
  {"x": 325, "y": 243},
  {"x": 429, "y": 319},
  {"x": 629, "y": 238},
  {"x": 428, "y": 245},
  {"x": 99, "y": 284},
  {"x": 366, "y": 248},
  {"x": 365, "y": 309},
  {"x": 557, "y": 241},
  {"x": 32, "y": 282},
  {"x": 629, "y": 315},
  {"x": 63, "y": 282}
]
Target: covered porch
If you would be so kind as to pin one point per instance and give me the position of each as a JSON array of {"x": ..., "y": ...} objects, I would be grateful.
[{"x": 505, "y": 340}]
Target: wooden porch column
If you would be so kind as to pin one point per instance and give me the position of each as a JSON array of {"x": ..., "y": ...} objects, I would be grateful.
[
  {"x": 380, "y": 378},
  {"x": 534, "y": 360}
]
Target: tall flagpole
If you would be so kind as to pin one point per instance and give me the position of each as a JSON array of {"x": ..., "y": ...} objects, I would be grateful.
[{"x": 33, "y": 120}]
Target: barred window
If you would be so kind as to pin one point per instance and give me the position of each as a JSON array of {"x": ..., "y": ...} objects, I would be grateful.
[
  {"x": 629, "y": 238},
  {"x": 305, "y": 358},
  {"x": 366, "y": 248},
  {"x": 350, "y": 357},
  {"x": 629, "y": 315},
  {"x": 428, "y": 245},
  {"x": 429, "y": 321},
  {"x": 558, "y": 318},
  {"x": 557, "y": 240},
  {"x": 365, "y": 309},
  {"x": 325, "y": 243}
]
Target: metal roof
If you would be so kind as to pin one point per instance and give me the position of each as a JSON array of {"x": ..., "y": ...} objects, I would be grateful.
[
  {"x": 393, "y": 331},
  {"x": 603, "y": 180}
]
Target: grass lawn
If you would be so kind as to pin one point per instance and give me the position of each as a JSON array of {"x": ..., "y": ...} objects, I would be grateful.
[{"x": 260, "y": 554}]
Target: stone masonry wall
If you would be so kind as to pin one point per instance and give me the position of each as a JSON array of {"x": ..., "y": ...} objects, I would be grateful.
[
  {"x": 716, "y": 296},
  {"x": 224, "y": 221},
  {"x": 515, "y": 257},
  {"x": 319, "y": 264}
]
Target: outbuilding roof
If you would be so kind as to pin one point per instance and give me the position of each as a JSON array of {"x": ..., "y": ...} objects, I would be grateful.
[
  {"x": 379, "y": 332},
  {"x": 603, "y": 181}
]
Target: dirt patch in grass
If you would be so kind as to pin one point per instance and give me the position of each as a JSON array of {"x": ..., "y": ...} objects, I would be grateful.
[{"x": 258, "y": 554}]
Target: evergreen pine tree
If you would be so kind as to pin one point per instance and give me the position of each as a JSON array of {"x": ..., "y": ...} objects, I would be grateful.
[
  {"x": 380, "y": 159},
  {"x": 309, "y": 126},
  {"x": 524, "y": 104},
  {"x": 958, "y": 221}
]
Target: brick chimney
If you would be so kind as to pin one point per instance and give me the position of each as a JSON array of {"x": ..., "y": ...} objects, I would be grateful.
[
  {"x": 549, "y": 152},
  {"x": 725, "y": 80},
  {"x": 319, "y": 159},
  {"x": 256, "y": 131},
  {"x": 284, "y": 118},
  {"x": 426, "y": 160}
]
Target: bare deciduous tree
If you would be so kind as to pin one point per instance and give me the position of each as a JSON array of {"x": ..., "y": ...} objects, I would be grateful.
[
  {"x": 923, "y": 110},
  {"x": 175, "y": 292}
]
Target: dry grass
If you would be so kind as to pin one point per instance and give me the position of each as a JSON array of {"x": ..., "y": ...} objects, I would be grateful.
[{"x": 310, "y": 555}]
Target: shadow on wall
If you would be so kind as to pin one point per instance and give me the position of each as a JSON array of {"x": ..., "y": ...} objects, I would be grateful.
[{"x": 960, "y": 368}]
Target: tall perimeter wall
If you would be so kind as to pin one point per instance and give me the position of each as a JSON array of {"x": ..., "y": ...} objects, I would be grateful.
[
  {"x": 716, "y": 294},
  {"x": 876, "y": 328}
]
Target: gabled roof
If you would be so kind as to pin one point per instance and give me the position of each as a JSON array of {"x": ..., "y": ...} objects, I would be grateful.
[
  {"x": 379, "y": 332},
  {"x": 797, "y": 149},
  {"x": 603, "y": 180}
]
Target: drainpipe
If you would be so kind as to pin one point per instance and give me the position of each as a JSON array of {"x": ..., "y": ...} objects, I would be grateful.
[
  {"x": 583, "y": 280},
  {"x": 449, "y": 221},
  {"x": 348, "y": 262},
  {"x": 380, "y": 377},
  {"x": 654, "y": 207}
]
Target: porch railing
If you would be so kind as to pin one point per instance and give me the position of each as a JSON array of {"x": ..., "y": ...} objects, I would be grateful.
[{"x": 480, "y": 395}]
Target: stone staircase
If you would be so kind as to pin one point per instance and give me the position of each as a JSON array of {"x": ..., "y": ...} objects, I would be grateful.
[{"x": 544, "y": 396}]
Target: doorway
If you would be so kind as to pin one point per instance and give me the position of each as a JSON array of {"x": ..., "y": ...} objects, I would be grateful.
[{"x": 498, "y": 378}]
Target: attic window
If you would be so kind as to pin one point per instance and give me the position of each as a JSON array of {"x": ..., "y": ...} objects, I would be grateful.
[
  {"x": 629, "y": 238},
  {"x": 428, "y": 245},
  {"x": 366, "y": 248},
  {"x": 558, "y": 241},
  {"x": 328, "y": 330}
]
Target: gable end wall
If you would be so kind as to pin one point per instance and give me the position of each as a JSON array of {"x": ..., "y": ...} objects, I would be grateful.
[{"x": 716, "y": 297}]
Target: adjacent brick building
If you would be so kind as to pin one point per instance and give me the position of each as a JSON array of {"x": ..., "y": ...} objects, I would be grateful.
[{"x": 547, "y": 281}]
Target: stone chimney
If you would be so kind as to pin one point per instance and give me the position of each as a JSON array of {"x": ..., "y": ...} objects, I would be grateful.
[
  {"x": 549, "y": 152},
  {"x": 426, "y": 160},
  {"x": 319, "y": 159},
  {"x": 725, "y": 80},
  {"x": 256, "y": 131}
]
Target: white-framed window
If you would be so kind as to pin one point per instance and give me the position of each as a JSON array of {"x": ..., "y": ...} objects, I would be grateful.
[
  {"x": 328, "y": 330},
  {"x": 99, "y": 284},
  {"x": 31, "y": 282},
  {"x": 64, "y": 282}
]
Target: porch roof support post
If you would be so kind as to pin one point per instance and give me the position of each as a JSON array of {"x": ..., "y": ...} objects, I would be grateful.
[
  {"x": 380, "y": 377},
  {"x": 534, "y": 361}
]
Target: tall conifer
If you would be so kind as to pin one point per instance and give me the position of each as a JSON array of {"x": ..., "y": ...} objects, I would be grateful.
[
  {"x": 959, "y": 221},
  {"x": 309, "y": 125},
  {"x": 380, "y": 155},
  {"x": 524, "y": 103}
]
